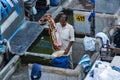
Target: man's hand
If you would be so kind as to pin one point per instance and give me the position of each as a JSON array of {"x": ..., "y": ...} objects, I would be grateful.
[
  {"x": 68, "y": 48},
  {"x": 66, "y": 51},
  {"x": 51, "y": 21},
  {"x": 56, "y": 48}
]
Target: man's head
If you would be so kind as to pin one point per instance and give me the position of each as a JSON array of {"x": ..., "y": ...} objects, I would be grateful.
[{"x": 63, "y": 19}]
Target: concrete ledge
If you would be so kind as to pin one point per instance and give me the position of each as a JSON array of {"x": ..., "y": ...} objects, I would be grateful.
[
  {"x": 77, "y": 72},
  {"x": 60, "y": 71},
  {"x": 39, "y": 55},
  {"x": 9, "y": 69}
]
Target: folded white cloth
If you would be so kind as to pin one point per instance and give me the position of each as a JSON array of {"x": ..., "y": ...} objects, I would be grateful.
[
  {"x": 104, "y": 38},
  {"x": 57, "y": 53}
]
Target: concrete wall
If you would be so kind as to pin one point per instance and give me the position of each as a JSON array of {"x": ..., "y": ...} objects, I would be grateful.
[
  {"x": 101, "y": 21},
  {"x": 107, "y": 6},
  {"x": 103, "y": 6}
]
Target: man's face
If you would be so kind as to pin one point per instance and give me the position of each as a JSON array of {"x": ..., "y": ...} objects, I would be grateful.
[{"x": 63, "y": 19}]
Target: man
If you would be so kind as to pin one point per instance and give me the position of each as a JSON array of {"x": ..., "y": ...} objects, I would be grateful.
[
  {"x": 66, "y": 33},
  {"x": 67, "y": 36},
  {"x": 61, "y": 36}
]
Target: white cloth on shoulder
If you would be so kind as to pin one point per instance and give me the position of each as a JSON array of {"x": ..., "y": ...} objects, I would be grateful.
[{"x": 104, "y": 38}]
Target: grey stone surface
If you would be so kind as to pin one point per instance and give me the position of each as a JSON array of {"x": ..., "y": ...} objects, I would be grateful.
[
  {"x": 103, "y": 6},
  {"x": 25, "y": 37},
  {"x": 9, "y": 68},
  {"x": 21, "y": 73},
  {"x": 116, "y": 61},
  {"x": 107, "y": 6}
]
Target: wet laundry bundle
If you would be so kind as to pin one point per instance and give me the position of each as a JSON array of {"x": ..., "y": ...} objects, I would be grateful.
[
  {"x": 89, "y": 43},
  {"x": 61, "y": 62},
  {"x": 53, "y": 31},
  {"x": 54, "y": 2},
  {"x": 103, "y": 71},
  {"x": 85, "y": 63}
]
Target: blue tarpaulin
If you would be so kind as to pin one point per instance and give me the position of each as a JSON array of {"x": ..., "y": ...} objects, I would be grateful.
[
  {"x": 7, "y": 5},
  {"x": 54, "y": 2},
  {"x": 91, "y": 15},
  {"x": 61, "y": 62},
  {"x": 17, "y": 6},
  {"x": 3, "y": 12},
  {"x": 0, "y": 14},
  {"x": 1, "y": 38},
  {"x": 92, "y": 1}
]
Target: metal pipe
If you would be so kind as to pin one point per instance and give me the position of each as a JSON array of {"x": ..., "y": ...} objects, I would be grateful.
[
  {"x": 42, "y": 55},
  {"x": 92, "y": 25}
]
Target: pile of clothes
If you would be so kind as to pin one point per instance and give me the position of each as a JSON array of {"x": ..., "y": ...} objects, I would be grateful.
[{"x": 103, "y": 71}]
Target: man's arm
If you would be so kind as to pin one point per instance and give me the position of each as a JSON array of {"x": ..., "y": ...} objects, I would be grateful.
[
  {"x": 68, "y": 48},
  {"x": 72, "y": 39}
]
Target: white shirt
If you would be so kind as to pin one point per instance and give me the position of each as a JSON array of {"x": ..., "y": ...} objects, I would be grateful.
[{"x": 66, "y": 34}]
